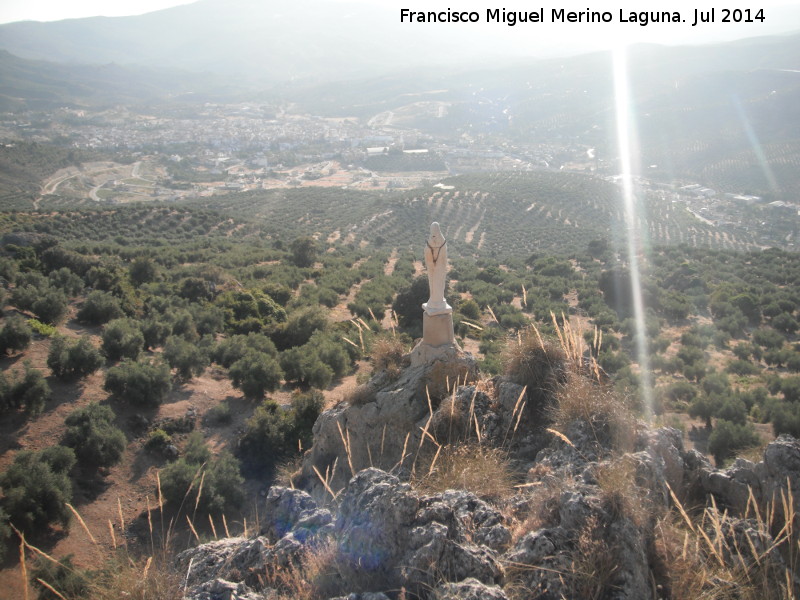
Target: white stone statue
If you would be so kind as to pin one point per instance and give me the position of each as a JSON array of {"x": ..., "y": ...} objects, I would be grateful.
[{"x": 436, "y": 264}]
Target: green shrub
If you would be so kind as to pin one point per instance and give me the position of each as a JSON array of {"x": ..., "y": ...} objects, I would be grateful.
[
  {"x": 715, "y": 383},
  {"x": 306, "y": 407},
  {"x": 249, "y": 310},
  {"x": 256, "y": 374},
  {"x": 742, "y": 367},
  {"x": 91, "y": 433},
  {"x": 681, "y": 391},
  {"x": 729, "y": 438},
  {"x": 407, "y": 306},
  {"x": 36, "y": 488},
  {"x": 705, "y": 407},
  {"x": 300, "y": 326},
  {"x": 231, "y": 349},
  {"x": 29, "y": 391},
  {"x": 470, "y": 309},
  {"x": 790, "y": 388},
  {"x": 73, "y": 359},
  {"x": 15, "y": 335},
  {"x": 785, "y": 418},
  {"x": 222, "y": 487},
  {"x": 304, "y": 251},
  {"x": 303, "y": 365},
  {"x": 188, "y": 359},
  {"x": 155, "y": 332},
  {"x": 122, "y": 338},
  {"x": 67, "y": 281},
  {"x": 768, "y": 338},
  {"x": 139, "y": 383},
  {"x": 42, "y": 328},
  {"x": 613, "y": 361},
  {"x": 272, "y": 433},
  {"x": 5, "y": 532},
  {"x": 51, "y": 306},
  {"x": 143, "y": 270},
  {"x": 732, "y": 409},
  {"x": 24, "y": 295},
  {"x": 99, "y": 308},
  {"x": 785, "y": 322},
  {"x": 219, "y": 414},
  {"x": 158, "y": 440}
]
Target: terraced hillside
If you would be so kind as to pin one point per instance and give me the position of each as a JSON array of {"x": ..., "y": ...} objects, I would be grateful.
[{"x": 503, "y": 214}]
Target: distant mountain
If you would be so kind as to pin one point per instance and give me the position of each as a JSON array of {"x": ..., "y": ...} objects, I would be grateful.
[
  {"x": 42, "y": 84},
  {"x": 273, "y": 41},
  {"x": 319, "y": 40}
]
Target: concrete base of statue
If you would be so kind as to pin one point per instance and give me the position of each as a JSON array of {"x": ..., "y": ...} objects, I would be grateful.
[{"x": 438, "y": 339}]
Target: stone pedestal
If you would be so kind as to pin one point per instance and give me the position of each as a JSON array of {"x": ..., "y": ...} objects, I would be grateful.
[
  {"x": 437, "y": 330},
  {"x": 438, "y": 339}
]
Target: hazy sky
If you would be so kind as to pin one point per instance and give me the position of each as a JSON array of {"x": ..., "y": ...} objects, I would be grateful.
[{"x": 55, "y": 10}]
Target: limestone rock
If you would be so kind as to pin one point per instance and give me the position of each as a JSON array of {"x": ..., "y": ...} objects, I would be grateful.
[
  {"x": 364, "y": 596},
  {"x": 287, "y": 508},
  {"x": 779, "y": 470},
  {"x": 380, "y": 429},
  {"x": 231, "y": 558},
  {"x": 469, "y": 589},
  {"x": 219, "y": 589}
]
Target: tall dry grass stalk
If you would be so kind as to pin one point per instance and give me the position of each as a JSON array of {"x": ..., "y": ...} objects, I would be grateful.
[
  {"x": 51, "y": 588},
  {"x": 123, "y": 575},
  {"x": 706, "y": 547},
  {"x": 77, "y": 515},
  {"x": 23, "y": 567}
]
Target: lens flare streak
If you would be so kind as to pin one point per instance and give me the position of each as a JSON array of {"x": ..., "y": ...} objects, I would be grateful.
[{"x": 625, "y": 142}]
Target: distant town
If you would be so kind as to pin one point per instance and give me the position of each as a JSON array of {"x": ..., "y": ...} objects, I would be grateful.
[{"x": 185, "y": 152}]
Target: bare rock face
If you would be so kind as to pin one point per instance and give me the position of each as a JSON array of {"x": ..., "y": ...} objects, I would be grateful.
[
  {"x": 219, "y": 589},
  {"x": 383, "y": 525},
  {"x": 377, "y": 432},
  {"x": 385, "y": 536},
  {"x": 469, "y": 589},
  {"x": 767, "y": 480},
  {"x": 383, "y": 532},
  {"x": 586, "y": 509}
]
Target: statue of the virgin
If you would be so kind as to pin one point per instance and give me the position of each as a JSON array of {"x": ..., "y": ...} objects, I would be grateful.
[{"x": 436, "y": 264}]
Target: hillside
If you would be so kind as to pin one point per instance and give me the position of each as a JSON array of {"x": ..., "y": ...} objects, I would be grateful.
[
  {"x": 178, "y": 319},
  {"x": 501, "y": 215},
  {"x": 41, "y": 84}
]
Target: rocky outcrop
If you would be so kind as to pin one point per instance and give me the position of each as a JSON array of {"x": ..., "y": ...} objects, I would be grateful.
[
  {"x": 766, "y": 480},
  {"x": 385, "y": 424},
  {"x": 385, "y": 536},
  {"x": 383, "y": 532},
  {"x": 469, "y": 589},
  {"x": 582, "y": 520}
]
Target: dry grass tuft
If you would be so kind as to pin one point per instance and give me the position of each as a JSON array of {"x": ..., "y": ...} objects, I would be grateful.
[
  {"x": 445, "y": 377},
  {"x": 324, "y": 571},
  {"x": 387, "y": 355},
  {"x": 540, "y": 365},
  {"x": 599, "y": 405},
  {"x": 287, "y": 472},
  {"x": 708, "y": 558},
  {"x": 593, "y": 565},
  {"x": 131, "y": 579},
  {"x": 621, "y": 495},
  {"x": 361, "y": 395},
  {"x": 478, "y": 469}
]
